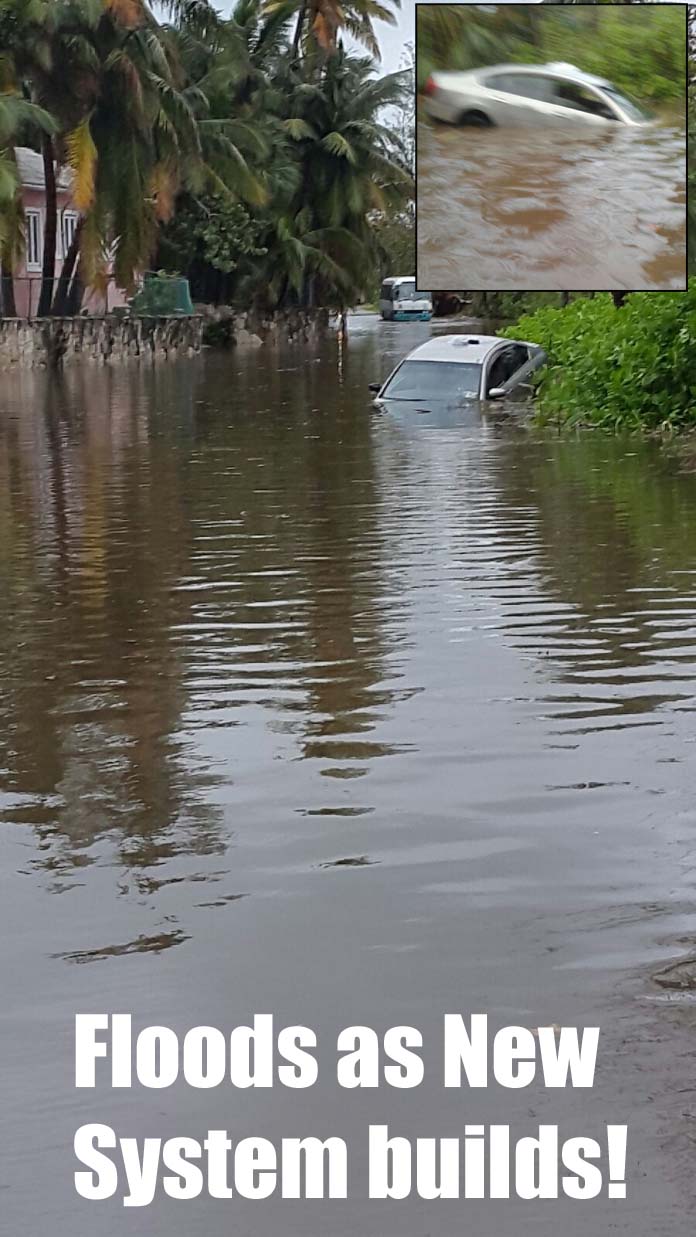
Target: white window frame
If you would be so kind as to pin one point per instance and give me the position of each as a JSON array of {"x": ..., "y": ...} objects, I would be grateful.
[
  {"x": 72, "y": 217},
  {"x": 34, "y": 213}
]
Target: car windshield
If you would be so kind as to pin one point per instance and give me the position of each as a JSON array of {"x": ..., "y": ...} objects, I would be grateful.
[
  {"x": 629, "y": 106},
  {"x": 405, "y": 291},
  {"x": 434, "y": 380}
]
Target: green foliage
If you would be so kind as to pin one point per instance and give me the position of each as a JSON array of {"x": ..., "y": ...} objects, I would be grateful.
[
  {"x": 335, "y": 176},
  {"x": 218, "y": 334},
  {"x": 214, "y": 228},
  {"x": 630, "y": 368},
  {"x": 512, "y": 304},
  {"x": 691, "y": 169},
  {"x": 640, "y": 49}
]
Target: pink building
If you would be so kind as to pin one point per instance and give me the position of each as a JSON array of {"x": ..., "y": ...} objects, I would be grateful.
[{"x": 27, "y": 280}]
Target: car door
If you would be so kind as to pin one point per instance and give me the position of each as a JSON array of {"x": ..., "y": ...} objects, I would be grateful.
[
  {"x": 505, "y": 98},
  {"x": 521, "y": 99},
  {"x": 513, "y": 367},
  {"x": 503, "y": 364},
  {"x": 577, "y": 104}
]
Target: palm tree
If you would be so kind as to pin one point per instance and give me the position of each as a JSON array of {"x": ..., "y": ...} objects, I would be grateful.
[
  {"x": 349, "y": 152},
  {"x": 320, "y": 22},
  {"x": 350, "y": 165},
  {"x": 48, "y": 42},
  {"x": 18, "y": 119},
  {"x": 128, "y": 127}
]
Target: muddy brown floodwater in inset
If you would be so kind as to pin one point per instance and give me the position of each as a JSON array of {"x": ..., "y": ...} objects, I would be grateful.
[
  {"x": 524, "y": 209},
  {"x": 352, "y": 718}
]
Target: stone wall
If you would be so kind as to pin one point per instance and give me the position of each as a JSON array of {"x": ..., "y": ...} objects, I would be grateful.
[
  {"x": 50, "y": 342},
  {"x": 224, "y": 326}
]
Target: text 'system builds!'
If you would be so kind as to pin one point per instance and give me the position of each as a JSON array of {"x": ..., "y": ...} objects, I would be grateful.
[{"x": 485, "y": 1162}]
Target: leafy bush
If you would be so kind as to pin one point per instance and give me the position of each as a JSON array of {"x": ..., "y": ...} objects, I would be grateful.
[
  {"x": 629, "y": 368},
  {"x": 218, "y": 334}
]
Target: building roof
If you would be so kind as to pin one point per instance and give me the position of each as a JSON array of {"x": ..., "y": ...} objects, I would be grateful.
[{"x": 31, "y": 173}]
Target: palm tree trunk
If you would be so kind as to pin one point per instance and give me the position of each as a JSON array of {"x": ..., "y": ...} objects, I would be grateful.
[
  {"x": 7, "y": 296},
  {"x": 297, "y": 37},
  {"x": 50, "y": 228},
  {"x": 77, "y": 291},
  {"x": 60, "y": 301}
]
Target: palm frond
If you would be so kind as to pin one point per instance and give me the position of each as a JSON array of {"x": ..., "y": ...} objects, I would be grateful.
[{"x": 82, "y": 159}]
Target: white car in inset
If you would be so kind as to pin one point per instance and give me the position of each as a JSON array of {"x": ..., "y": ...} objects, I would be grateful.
[
  {"x": 530, "y": 94},
  {"x": 450, "y": 369}
]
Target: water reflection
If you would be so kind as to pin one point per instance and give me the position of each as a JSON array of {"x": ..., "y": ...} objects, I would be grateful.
[
  {"x": 313, "y": 709},
  {"x": 501, "y": 208}
]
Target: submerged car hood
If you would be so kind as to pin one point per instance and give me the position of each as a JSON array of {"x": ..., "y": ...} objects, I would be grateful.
[{"x": 433, "y": 413}]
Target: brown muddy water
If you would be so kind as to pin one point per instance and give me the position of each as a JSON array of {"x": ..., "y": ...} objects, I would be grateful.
[
  {"x": 310, "y": 710},
  {"x": 520, "y": 209}
]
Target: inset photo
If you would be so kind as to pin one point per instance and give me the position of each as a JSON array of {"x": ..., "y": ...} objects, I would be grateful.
[{"x": 551, "y": 147}]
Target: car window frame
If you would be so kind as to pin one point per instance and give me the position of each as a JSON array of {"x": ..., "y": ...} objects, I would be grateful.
[
  {"x": 522, "y": 77},
  {"x": 595, "y": 91},
  {"x": 496, "y": 355}
]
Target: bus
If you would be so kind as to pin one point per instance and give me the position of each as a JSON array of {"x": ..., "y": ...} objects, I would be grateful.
[{"x": 399, "y": 301}]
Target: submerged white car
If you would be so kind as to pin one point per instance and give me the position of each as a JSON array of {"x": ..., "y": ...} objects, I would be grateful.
[
  {"x": 530, "y": 94},
  {"x": 450, "y": 369}
]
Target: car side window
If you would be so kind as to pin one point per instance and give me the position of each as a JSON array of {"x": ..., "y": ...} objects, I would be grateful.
[
  {"x": 534, "y": 86},
  {"x": 525, "y": 85},
  {"x": 505, "y": 365},
  {"x": 499, "y": 81},
  {"x": 582, "y": 99}
]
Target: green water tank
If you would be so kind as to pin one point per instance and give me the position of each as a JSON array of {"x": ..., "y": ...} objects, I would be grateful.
[{"x": 162, "y": 295}]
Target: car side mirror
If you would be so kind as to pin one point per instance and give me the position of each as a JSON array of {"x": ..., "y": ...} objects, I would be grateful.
[
  {"x": 497, "y": 393},
  {"x": 375, "y": 387}
]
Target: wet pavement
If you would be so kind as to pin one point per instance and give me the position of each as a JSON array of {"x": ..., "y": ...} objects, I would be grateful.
[
  {"x": 525, "y": 209},
  {"x": 314, "y": 710}
]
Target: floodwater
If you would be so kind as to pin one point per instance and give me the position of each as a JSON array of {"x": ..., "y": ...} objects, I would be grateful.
[
  {"x": 313, "y": 711},
  {"x": 525, "y": 209}
]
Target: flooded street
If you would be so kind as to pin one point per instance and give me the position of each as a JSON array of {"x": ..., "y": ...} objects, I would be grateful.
[
  {"x": 523, "y": 208},
  {"x": 309, "y": 710}
]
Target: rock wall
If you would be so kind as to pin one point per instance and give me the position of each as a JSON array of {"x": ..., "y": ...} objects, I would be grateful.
[
  {"x": 50, "y": 342},
  {"x": 225, "y": 327}
]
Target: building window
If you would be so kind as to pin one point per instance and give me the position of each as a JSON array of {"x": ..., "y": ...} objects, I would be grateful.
[
  {"x": 34, "y": 246},
  {"x": 68, "y": 231}
]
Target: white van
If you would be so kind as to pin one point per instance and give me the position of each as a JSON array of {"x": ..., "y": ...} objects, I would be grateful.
[{"x": 399, "y": 300}]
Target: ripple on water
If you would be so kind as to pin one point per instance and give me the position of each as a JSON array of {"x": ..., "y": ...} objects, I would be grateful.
[
  {"x": 248, "y": 652},
  {"x": 517, "y": 208}
]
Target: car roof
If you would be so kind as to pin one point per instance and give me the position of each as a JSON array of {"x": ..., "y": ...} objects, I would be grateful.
[
  {"x": 471, "y": 349},
  {"x": 551, "y": 69}
]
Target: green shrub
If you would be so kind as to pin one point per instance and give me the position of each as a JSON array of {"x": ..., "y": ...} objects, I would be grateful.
[
  {"x": 628, "y": 368},
  {"x": 218, "y": 334}
]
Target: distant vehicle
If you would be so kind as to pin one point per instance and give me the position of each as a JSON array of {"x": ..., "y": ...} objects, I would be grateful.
[
  {"x": 530, "y": 94},
  {"x": 450, "y": 369},
  {"x": 400, "y": 301}
]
